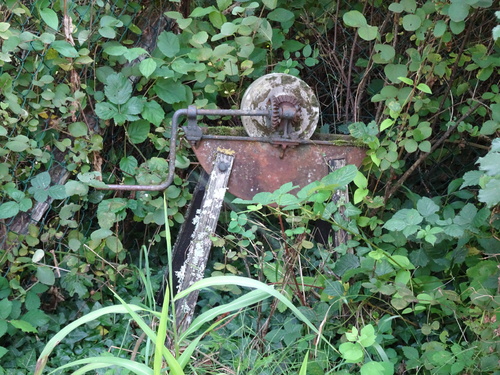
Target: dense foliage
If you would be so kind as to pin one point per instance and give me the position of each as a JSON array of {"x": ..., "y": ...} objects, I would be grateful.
[{"x": 87, "y": 92}]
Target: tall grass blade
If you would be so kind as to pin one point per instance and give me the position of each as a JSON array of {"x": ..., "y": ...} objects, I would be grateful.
[
  {"x": 135, "y": 367},
  {"x": 303, "y": 368},
  {"x": 59, "y": 336}
]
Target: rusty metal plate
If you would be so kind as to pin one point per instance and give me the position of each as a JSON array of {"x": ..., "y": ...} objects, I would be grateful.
[{"x": 261, "y": 166}]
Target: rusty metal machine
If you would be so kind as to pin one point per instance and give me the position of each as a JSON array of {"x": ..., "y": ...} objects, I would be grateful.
[{"x": 279, "y": 113}]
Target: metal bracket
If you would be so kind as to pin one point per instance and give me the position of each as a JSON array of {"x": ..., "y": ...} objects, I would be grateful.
[{"x": 193, "y": 135}]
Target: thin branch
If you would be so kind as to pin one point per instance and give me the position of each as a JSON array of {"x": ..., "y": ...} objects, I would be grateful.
[{"x": 424, "y": 156}]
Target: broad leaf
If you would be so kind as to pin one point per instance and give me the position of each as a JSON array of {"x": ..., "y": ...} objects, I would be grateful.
[{"x": 118, "y": 88}]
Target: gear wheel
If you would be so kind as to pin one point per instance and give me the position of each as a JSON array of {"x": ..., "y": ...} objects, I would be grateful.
[
  {"x": 291, "y": 103},
  {"x": 277, "y": 104}
]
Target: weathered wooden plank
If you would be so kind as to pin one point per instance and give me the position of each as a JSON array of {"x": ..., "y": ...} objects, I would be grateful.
[
  {"x": 339, "y": 196},
  {"x": 199, "y": 248}
]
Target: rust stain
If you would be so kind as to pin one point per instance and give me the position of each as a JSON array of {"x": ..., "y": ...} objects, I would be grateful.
[{"x": 261, "y": 166}]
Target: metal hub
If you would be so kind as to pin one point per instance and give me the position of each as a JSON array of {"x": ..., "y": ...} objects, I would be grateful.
[{"x": 293, "y": 105}]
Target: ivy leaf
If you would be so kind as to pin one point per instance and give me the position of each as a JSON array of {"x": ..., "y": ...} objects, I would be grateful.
[
  {"x": 471, "y": 178},
  {"x": 168, "y": 44},
  {"x": 118, "y": 88},
  {"x": 50, "y": 18}
]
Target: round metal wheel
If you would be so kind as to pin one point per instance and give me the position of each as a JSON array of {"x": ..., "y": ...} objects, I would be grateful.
[{"x": 281, "y": 93}]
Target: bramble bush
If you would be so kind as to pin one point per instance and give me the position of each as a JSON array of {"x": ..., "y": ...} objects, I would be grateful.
[{"x": 87, "y": 93}]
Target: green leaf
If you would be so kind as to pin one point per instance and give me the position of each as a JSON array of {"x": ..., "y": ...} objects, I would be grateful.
[
  {"x": 153, "y": 112},
  {"x": 168, "y": 44},
  {"x": 50, "y": 18},
  {"x": 133, "y": 106},
  {"x": 57, "y": 192},
  {"x": 45, "y": 275},
  {"x": 147, "y": 67},
  {"x": 5, "y": 308},
  {"x": 128, "y": 164},
  {"x": 106, "y": 111},
  {"x": 78, "y": 129},
  {"x": 116, "y": 50},
  {"x": 490, "y": 194},
  {"x": 23, "y": 326},
  {"x": 354, "y": 18},
  {"x": 202, "y": 11},
  {"x": 118, "y": 88},
  {"x": 271, "y": 4},
  {"x": 368, "y": 32},
  {"x": 458, "y": 11},
  {"x": 402, "y": 219},
  {"x": 411, "y": 22},
  {"x": 386, "y": 53},
  {"x": 490, "y": 127},
  {"x": 490, "y": 163},
  {"x": 266, "y": 30},
  {"x": 65, "y": 49},
  {"x": 424, "y": 88},
  {"x": 9, "y": 209},
  {"x": 76, "y": 188},
  {"x": 133, "y": 53},
  {"x": 426, "y": 207},
  {"x": 101, "y": 234},
  {"x": 170, "y": 91},
  {"x": 351, "y": 352},
  {"x": 394, "y": 71},
  {"x": 107, "y": 32},
  {"x": 341, "y": 177},
  {"x": 373, "y": 368},
  {"x": 425, "y": 146},
  {"x": 281, "y": 15},
  {"x": 138, "y": 131},
  {"x": 18, "y": 144},
  {"x": 114, "y": 244},
  {"x": 367, "y": 336}
]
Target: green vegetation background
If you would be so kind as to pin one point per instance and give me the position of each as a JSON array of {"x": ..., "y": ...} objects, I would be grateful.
[{"x": 87, "y": 92}]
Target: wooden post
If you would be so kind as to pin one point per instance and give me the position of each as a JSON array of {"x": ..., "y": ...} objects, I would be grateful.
[
  {"x": 339, "y": 196},
  {"x": 206, "y": 221}
]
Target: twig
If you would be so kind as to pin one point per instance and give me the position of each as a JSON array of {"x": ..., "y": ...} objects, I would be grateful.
[{"x": 424, "y": 156}]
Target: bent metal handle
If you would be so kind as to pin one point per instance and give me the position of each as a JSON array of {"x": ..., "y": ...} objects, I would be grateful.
[{"x": 191, "y": 112}]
